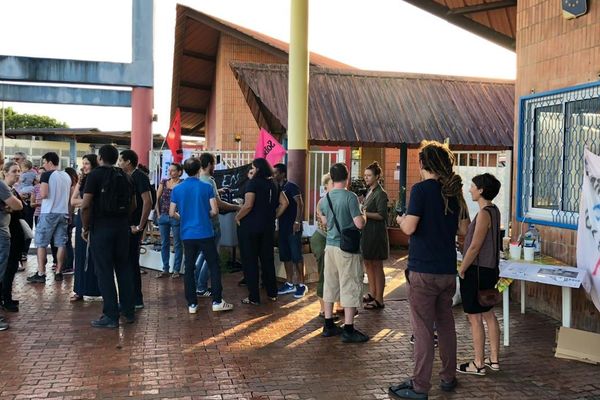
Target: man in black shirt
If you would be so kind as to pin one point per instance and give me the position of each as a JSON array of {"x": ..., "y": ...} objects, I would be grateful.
[
  {"x": 107, "y": 233},
  {"x": 128, "y": 161}
]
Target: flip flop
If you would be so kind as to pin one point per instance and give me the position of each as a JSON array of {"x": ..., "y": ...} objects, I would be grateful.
[{"x": 374, "y": 305}]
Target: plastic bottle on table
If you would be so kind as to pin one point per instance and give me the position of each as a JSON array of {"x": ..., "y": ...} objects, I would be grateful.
[{"x": 532, "y": 238}]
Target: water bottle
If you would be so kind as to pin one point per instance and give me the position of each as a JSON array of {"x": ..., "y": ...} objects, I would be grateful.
[{"x": 532, "y": 238}]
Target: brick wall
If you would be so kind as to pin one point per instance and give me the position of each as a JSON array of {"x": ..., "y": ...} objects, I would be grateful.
[
  {"x": 392, "y": 157},
  {"x": 233, "y": 116},
  {"x": 554, "y": 53}
]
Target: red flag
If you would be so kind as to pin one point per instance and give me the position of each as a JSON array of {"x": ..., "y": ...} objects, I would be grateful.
[
  {"x": 268, "y": 147},
  {"x": 174, "y": 138}
]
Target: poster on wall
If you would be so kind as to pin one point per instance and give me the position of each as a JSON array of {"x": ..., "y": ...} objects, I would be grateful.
[{"x": 588, "y": 231}]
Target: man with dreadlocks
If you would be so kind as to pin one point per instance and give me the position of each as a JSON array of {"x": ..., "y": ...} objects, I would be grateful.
[{"x": 436, "y": 211}]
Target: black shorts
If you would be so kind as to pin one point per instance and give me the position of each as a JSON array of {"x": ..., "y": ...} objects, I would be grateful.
[{"x": 488, "y": 278}]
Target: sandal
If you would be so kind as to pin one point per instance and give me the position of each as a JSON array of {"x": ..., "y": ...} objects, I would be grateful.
[
  {"x": 374, "y": 305},
  {"x": 475, "y": 370},
  {"x": 367, "y": 298},
  {"x": 494, "y": 366},
  {"x": 248, "y": 301}
]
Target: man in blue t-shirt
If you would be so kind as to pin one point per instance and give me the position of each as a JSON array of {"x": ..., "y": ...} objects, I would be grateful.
[
  {"x": 193, "y": 203},
  {"x": 290, "y": 235}
]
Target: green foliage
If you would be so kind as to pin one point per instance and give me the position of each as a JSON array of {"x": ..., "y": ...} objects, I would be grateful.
[{"x": 15, "y": 120}]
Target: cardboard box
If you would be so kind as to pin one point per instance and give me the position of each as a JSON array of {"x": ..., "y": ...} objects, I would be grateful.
[{"x": 574, "y": 344}]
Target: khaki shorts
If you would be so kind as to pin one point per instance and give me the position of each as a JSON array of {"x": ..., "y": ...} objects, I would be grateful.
[{"x": 343, "y": 277}]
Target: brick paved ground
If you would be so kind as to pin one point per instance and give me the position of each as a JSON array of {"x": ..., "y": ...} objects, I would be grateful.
[{"x": 269, "y": 352}]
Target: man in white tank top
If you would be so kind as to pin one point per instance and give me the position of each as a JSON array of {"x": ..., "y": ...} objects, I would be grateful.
[{"x": 55, "y": 191}]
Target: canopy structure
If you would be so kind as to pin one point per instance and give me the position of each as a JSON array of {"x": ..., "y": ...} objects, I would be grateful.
[{"x": 383, "y": 109}]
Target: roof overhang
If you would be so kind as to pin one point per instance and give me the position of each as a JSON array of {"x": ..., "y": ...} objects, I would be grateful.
[{"x": 495, "y": 20}]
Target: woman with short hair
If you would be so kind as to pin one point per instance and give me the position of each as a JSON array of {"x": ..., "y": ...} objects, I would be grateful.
[{"x": 479, "y": 270}]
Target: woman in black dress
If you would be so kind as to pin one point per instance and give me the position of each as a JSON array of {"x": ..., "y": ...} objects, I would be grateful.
[
  {"x": 263, "y": 203},
  {"x": 86, "y": 283}
]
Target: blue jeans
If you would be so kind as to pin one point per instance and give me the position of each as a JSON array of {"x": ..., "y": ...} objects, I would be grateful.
[
  {"x": 202, "y": 272},
  {"x": 165, "y": 225}
]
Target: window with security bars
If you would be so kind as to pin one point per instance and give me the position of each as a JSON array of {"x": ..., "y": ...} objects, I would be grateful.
[{"x": 556, "y": 127}]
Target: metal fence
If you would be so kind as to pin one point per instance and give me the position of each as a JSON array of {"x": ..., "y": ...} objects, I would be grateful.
[{"x": 555, "y": 130}]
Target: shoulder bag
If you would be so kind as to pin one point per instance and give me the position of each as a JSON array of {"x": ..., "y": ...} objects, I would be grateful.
[{"x": 349, "y": 237}]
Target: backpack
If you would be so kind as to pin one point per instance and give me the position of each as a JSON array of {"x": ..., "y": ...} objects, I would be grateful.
[{"x": 115, "y": 193}]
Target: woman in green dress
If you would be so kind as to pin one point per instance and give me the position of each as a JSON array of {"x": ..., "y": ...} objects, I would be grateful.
[{"x": 375, "y": 243}]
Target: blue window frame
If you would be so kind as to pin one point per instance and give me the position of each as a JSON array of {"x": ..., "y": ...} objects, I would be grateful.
[{"x": 554, "y": 129}]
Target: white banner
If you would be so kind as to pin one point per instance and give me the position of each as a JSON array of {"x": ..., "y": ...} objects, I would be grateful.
[
  {"x": 588, "y": 232},
  {"x": 167, "y": 160}
]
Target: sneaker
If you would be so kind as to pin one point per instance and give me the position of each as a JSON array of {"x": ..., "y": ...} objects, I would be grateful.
[
  {"x": 193, "y": 308},
  {"x": 128, "y": 319},
  {"x": 204, "y": 293},
  {"x": 11, "y": 306},
  {"x": 355, "y": 337},
  {"x": 58, "y": 276},
  {"x": 68, "y": 271},
  {"x": 161, "y": 275},
  {"x": 37, "y": 278},
  {"x": 139, "y": 306},
  {"x": 222, "y": 306},
  {"x": 105, "y": 322},
  {"x": 435, "y": 340},
  {"x": 3, "y": 326},
  {"x": 175, "y": 275},
  {"x": 300, "y": 291},
  {"x": 330, "y": 332},
  {"x": 412, "y": 339},
  {"x": 286, "y": 288},
  {"x": 448, "y": 386},
  {"x": 92, "y": 298}
]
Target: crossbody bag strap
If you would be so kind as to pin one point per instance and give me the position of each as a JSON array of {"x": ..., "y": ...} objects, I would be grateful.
[
  {"x": 333, "y": 212},
  {"x": 494, "y": 243}
]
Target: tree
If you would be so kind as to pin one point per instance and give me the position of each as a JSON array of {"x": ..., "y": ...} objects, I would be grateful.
[{"x": 15, "y": 120}]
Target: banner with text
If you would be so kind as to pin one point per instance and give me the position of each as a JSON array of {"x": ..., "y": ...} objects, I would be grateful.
[{"x": 588, "y": 231}]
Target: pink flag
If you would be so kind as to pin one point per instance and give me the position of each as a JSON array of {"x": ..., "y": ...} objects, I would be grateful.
[{"x": 269, "y": 148}]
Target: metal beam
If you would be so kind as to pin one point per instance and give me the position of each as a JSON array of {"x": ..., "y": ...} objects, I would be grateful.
[
  {"x": 496, "y": 5},
  {"x": 466, "y": 23},
  {"x": 140, "y": 72},
  {"x": 194, "y": 85},
  {"x": 193, "y": 110},
  {"x": 200, "y": 56},
  {"x": 65, "y": 95}
]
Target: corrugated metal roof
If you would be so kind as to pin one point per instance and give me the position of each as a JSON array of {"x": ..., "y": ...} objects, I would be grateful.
[{"x": 385, "y": 109}]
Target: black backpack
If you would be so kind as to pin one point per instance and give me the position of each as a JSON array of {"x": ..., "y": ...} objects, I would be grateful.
[{"x": 115, "y": 193}]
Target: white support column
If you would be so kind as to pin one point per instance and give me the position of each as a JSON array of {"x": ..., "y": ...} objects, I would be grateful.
[
  {"x": 506, "y": 315},
  {"x": 566, "y": 307}
]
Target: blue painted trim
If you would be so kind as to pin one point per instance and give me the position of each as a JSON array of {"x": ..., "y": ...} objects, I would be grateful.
[
  {"x": 520, "y": 134},
  {"x": 560, "y": 91},
  {"x": 65, "y": 95}
]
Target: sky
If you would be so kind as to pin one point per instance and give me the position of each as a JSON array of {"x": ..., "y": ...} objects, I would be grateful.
[{"x": 382, "y": 35}]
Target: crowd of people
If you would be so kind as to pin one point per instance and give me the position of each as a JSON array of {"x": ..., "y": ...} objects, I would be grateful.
[{"x": 110, "y": 201}]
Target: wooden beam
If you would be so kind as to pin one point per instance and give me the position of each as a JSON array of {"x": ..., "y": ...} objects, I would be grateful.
[
  {"x": 465, "y": 22},
  {"x": 199, "y": 56},
  {"x": 193, "y": 110},
  {"x": 194, "y": 85},
  {"x": 496, "y": 5}
]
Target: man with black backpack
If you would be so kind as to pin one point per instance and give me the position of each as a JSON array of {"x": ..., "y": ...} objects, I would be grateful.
[
  {"x": 128, "y": 161},
  {"x": 108, "y": 201}
]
